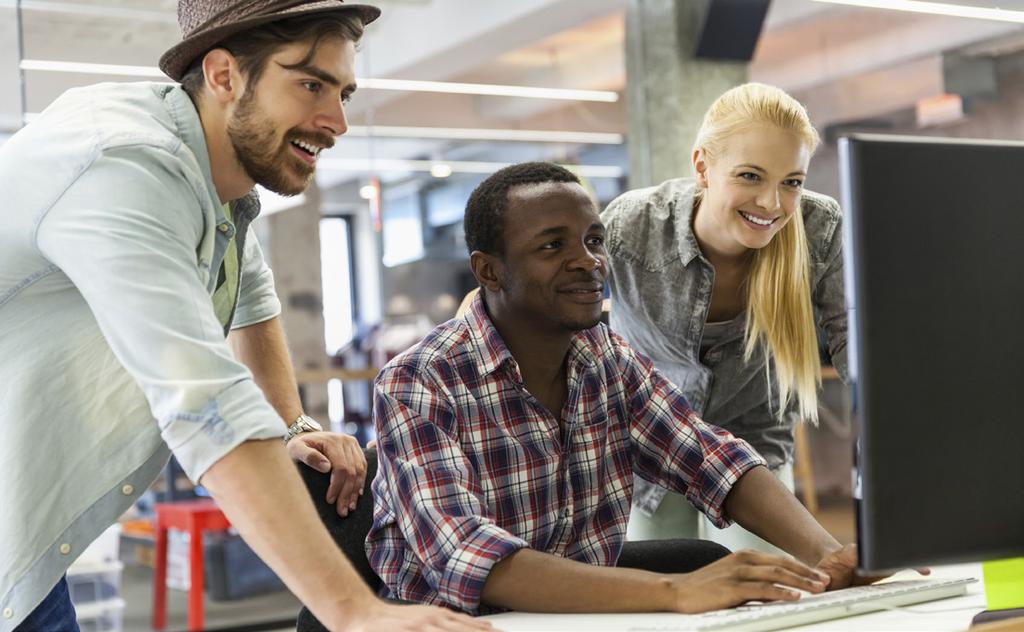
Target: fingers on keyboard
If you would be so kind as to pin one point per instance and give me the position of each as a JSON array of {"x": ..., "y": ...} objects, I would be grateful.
[{"x": 780, "y": 574}]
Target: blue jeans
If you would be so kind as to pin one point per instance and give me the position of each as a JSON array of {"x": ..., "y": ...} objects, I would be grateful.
[{"x": 54, "y": 614}]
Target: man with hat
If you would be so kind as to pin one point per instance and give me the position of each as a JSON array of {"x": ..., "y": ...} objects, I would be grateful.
[{"x": 138, "y": 317}]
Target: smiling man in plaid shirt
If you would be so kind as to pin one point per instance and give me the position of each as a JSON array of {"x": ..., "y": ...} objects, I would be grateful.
[{"x": 508, "y": 440}]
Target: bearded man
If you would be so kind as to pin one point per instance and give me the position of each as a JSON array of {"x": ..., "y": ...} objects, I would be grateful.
[{"x": 138, "y": 317}]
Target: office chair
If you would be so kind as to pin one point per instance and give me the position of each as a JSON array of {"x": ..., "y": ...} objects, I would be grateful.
[{"x": 349, "y": 532}]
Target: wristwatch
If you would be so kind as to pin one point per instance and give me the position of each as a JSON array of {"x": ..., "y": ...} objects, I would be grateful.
[{"x": 304, "y": 423}]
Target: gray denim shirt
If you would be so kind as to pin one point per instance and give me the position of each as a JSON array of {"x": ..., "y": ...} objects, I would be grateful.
[{"x": 661, "y": 290}]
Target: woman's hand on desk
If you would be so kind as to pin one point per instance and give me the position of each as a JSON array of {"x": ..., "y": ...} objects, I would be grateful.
[
  {"x": 741, "y": 577},
  {"x": 841, "y": 567}
]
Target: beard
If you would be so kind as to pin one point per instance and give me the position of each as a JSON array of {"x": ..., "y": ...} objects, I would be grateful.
[{"x": 253, "y": 136}]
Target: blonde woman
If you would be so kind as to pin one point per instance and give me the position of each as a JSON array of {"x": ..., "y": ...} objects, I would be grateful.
[{"x": 723, "y": 280}]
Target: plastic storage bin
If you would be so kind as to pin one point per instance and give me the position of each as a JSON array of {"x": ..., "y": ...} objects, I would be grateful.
[
  {"x": 91, "y": 583},
  {"x": 94, "y": 583},
  {"x": 178, "y": 576},
  {"x": 101, "y": 616},
  {"x": 231, "y": 570}
]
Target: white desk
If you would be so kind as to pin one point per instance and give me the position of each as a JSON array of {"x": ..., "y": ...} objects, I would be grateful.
[{"x": 934, "y": 616}]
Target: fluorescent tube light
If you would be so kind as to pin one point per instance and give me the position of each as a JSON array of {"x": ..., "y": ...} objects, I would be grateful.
[
  {"x": 937, "y": 8},
  {"x": 92, "y": 69},
  {"x": 441, "y": 170},
  {"x": 458, "y": 133},
  {"x": 451, "y": 87},
  {"x": 462, "y": 133},
  {"x": 405, "y": 85},
  {"x": 396, "y": 164}
]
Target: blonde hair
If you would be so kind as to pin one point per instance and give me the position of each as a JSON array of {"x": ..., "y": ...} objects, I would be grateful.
[{"x": 778, "y": 289}]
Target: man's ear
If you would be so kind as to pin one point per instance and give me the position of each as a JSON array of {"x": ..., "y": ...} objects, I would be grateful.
[
  {"x": 700, "y": 167},
  {"x": 221, "y": 76},
  {"x": 487, "y": 269}
]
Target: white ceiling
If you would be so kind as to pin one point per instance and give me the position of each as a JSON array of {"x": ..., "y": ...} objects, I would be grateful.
[{"x": 807, "y": 47}]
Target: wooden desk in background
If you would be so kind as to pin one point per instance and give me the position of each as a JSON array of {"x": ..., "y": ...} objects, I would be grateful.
[{"x": 319, "y": 376}]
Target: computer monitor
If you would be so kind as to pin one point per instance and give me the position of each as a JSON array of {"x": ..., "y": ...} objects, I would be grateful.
[{"x": 934, "y": 263}]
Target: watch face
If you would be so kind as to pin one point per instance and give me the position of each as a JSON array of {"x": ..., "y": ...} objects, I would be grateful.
[{"x": 310, "y": 424}]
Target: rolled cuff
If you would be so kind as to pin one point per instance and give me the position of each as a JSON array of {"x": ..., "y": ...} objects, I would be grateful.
[
  {"x": 201, "y": 438},
  {"x": 717, "y": 475},
  {"x": 257, "y": 301},
  {"x": 462, "y": 582}
]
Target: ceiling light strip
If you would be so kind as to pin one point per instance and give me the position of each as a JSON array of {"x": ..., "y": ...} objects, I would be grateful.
[
  {"x": 457, "y": 166},
  {"x": 405, "y": 85},
  {"x": 937, "y": 8},
  {"x": 91, "y": 69},
  {"x": 462, "y": 133},
  {"x": 605, "y": 96},
  {"x": 455, "y": 133}
]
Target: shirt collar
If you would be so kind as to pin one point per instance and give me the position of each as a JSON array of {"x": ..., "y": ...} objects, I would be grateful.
[
  {"x": 190, "y": 130},
  {"x": 683, "y": 198},
  {"x": 490, "y": 348}
]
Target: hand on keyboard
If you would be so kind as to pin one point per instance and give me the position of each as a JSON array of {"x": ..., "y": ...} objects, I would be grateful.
[
  {"x": 841, "y": 567},
  {"x": 741, "y": 577}
]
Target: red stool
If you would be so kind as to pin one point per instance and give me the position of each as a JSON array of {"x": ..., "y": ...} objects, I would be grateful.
[{"x": 194, "y": 517}]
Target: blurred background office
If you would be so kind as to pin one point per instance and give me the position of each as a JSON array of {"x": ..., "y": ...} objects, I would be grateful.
[{"x": 372, "y": 255}]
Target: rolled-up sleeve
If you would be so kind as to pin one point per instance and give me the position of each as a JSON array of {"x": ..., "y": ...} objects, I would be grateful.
[
  {"x": 673, "y": 447},
  {"x": 126, "y": 235},
  {"x": 440, "y": 506},
  {"x": 257, "y": 300}
]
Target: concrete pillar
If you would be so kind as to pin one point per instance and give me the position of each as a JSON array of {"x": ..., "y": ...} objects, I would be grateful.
[
  {"x": 292, "y": 248},
  {"x": 667, "y": 89}
]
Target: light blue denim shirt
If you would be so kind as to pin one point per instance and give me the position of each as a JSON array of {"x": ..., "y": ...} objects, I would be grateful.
[
  {"x": 661, "y": 291},
  {"x": 111, "y": 238}
]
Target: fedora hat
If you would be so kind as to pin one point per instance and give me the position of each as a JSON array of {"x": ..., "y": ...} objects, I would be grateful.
[{"x": 205, "y": 23}]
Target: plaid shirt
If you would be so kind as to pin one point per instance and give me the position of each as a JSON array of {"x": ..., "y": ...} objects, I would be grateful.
[{"x": 472, "y": 467}]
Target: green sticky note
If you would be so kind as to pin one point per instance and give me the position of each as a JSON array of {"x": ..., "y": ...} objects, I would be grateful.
[{"x": 1004, "y": 583}]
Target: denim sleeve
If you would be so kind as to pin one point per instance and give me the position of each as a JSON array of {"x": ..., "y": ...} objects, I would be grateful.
[
  {"x": 257, "y": 300},
  {"x": 125, "y": 234},
  {"x": 830, "y": 295}
]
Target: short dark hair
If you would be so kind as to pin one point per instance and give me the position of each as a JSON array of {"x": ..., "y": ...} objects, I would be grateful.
[
  {"x": 252, "y": 48},
  {"x": 483, "y": 222}
]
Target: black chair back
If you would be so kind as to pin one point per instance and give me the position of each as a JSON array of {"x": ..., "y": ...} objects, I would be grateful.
[{"x": 349, "y": 533}]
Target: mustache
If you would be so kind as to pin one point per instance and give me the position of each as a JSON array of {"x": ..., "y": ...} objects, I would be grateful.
[
  {"x": 321, "y": 140},
  {"x": 596, "y": 277}
]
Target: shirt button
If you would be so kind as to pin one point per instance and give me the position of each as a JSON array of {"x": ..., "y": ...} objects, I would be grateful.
[
  {"x": 127, "y": 490},
  {"x": 65, "y": 548},
  {"x": 222, "y": 228},
  {"x": 567, "y": 512},
  {"x": 8, "y": 613}
]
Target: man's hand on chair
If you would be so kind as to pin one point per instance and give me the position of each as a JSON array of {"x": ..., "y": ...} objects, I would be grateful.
[{"x": 341, "y": 456}]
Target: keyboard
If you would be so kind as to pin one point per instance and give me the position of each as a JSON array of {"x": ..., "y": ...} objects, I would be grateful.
[{"x": 812, "y": 608}]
